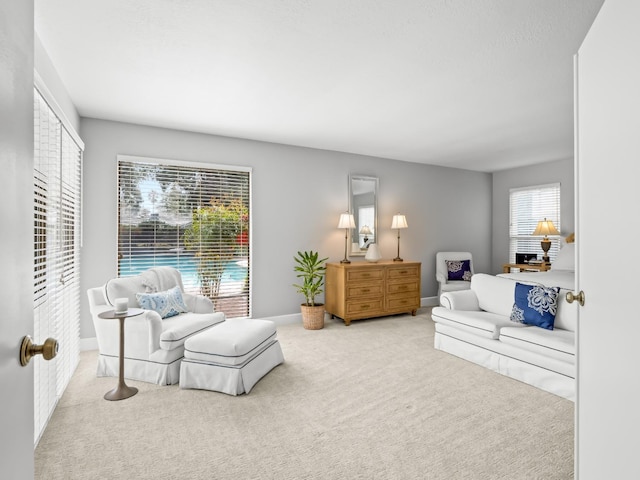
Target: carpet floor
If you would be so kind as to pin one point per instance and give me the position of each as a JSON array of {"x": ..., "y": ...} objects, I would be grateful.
[{"x": 373, "y": 400}]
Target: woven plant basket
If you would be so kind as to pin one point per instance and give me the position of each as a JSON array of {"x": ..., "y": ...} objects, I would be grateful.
[{"x": 312, "y": 317}]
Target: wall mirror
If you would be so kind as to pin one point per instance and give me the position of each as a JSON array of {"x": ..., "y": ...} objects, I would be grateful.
[{"x": 363, "y": 205}]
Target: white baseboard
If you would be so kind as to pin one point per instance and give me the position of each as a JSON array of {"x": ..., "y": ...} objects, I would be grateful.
[
  {"x": 429, "y": 302},
  {"x": 285, "y": 319},
  {"x": 88, "y": 344}
]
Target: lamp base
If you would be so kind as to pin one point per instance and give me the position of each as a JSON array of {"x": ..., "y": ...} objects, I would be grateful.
[
  {"x": 398, "y": 259},
  {"x": 545, "y": 244},
  {"x": 345, "y": 261}
]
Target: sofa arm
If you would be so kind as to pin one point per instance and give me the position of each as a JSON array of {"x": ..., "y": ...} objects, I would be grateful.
[
  {"x": 460, "y": 300},
  {"x": 197, "y": 303}
]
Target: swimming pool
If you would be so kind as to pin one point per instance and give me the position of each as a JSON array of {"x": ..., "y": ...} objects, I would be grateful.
[{"x": 233, "y": 278}]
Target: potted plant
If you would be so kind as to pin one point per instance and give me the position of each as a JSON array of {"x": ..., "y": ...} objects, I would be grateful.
[{"x": 311, "y": 270}]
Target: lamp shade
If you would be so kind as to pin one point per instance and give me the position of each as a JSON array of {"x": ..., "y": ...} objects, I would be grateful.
[
  {"x": 545, "y": 227},
  {"x": 346, "y": 221},
  {"x": 365, "y": 230},
  {"x": 399, "y": 221}
]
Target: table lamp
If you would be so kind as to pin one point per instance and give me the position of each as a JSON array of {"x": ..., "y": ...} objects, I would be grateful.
[
  {"x": 545, "y": 227},
  {"x": 346, "y": 221},
  {"x": 398, "y": 222}
]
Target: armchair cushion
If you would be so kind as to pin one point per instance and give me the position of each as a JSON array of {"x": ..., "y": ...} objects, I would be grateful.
[
  {"x": 168, "y": 303},
  {"x": 459, "y": 270},
  {"x": 177, "y": 329}
]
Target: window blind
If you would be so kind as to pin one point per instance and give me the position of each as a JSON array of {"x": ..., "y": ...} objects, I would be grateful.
[
  {"x": 195, "y": 218},
  {"x": 57, "y": 219},
  {"x": 527, "y": 207}
]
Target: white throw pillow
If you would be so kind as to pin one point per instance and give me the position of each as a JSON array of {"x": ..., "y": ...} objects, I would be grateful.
[{"x": 566, "y": 259}]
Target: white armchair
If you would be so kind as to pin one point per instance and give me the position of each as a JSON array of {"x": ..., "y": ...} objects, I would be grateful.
[
  {"x": 442, "y": 272},
  {"x": 154, "y": 346}
]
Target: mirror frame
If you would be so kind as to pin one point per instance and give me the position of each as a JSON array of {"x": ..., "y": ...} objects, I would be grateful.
[{"x": 355, "y": 235}]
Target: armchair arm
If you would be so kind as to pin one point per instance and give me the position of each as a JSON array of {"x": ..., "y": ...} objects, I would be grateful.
[
  {"x": 441, "y": 278},
  {"x": 197, "y": 303},
  {"x": 460, "y": 300},
  {"x": 153, "y": 322}
]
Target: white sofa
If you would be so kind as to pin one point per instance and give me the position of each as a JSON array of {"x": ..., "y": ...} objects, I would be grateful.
[
  {"x": 154, "y": 347},
  {"x": 475, "y": 325}
]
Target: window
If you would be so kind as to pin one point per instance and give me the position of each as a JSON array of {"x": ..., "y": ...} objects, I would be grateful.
[
  {"x": 57, "y": 176},
  {"x": 527, "y": 207},
  {"x": 194, "y": 217}
]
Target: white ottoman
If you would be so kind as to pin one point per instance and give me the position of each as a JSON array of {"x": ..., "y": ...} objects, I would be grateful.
[{"x": 230, "y": 357}]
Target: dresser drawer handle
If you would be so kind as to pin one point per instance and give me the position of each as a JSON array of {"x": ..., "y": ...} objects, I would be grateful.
[
  {"x": 403, "y": 287},
  {"x": 364, "y": 307},
  {"x": 403, "y": 272},
  {"x": 366, "y": 275},
  {"x": 365, "y": 290}
]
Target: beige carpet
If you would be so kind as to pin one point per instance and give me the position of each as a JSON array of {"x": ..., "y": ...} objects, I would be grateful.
[{"x": 370, "y": 401}]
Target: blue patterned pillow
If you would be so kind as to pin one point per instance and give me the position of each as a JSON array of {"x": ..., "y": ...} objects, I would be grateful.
[
  {"x": 167, "y": 304},
  {"x": 459, "y": 270},
  {"x": 535, "y": 305}
]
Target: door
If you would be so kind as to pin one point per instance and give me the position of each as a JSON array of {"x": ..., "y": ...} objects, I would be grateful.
[
  {"x": 16, "y": 237},
  {"x": 608, "y": 197}
]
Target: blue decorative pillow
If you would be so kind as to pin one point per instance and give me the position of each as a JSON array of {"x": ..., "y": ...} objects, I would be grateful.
[
  {"x": 535, "y": 305},
  {"x": 459, "y": 270},
  {"x": 167, "y": 304}
]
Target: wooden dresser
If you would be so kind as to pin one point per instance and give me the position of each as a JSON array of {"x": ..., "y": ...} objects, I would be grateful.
[{"x": 364, "y": 290}]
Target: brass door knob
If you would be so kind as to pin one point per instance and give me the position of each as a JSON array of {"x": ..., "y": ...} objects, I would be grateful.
[
  {"x": 576, "y": 296},
  {"x": 49, "y": 349}
]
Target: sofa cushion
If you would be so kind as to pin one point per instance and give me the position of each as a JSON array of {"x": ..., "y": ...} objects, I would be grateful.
[
  {"x": 485, "y": 324},
  {"x": 567, "y": 316},
  {"x": 495, "y": 294},
  {"x": 535, "y": 305},
  {"x": 459, "y": 270},
  {"x": 175, "y": 330},
  {"x": 559, "y": 344},
  {"x": 566, "y": 258},
  {"x": 167, "y": 303}
]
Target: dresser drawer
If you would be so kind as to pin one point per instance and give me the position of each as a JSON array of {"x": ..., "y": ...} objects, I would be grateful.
[
  {"x": 403, "y": 272},
  {"x": 403, "y": 287},
  {"x": 359, "y": 291},
  {"x": 368, "y": 275},
  {"x": 364, "y": 307},
  {"x": 400, "y": 303}
]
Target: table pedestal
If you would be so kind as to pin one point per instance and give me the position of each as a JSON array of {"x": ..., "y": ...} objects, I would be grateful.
[{"x": 122, "y": 390}]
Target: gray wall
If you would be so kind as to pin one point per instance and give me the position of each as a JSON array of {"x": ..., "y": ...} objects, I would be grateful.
[
  {"x": 298, "y": 195},
  {"x": 550, "y": 172}
]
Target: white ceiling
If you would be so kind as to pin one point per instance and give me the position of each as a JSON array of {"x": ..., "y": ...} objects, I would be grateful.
[{"x": 476, "y": 84}]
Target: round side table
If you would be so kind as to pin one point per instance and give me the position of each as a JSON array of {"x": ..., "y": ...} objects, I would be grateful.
[{"x": 122, "y": 390}]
